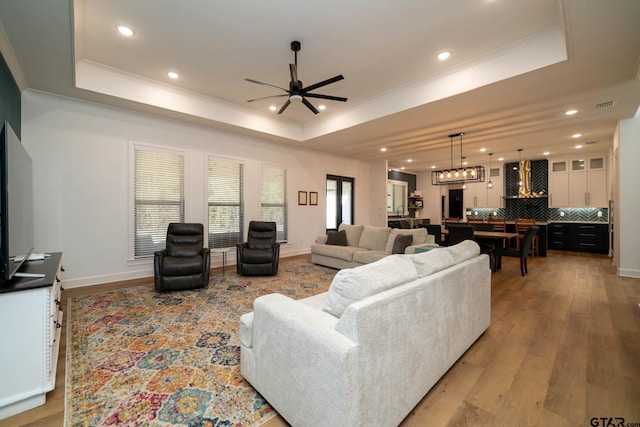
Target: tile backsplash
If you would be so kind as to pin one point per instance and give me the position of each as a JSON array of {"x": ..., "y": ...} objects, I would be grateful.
[{"x": 545, "y": 214}]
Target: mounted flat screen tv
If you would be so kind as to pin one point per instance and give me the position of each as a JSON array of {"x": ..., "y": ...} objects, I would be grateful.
[{"x": 16, "y": 203}]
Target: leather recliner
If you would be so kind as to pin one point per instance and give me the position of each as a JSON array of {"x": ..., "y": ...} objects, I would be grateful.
[
  {"x": 259, "y": 255},
  {"x": 185, "y": 263}
]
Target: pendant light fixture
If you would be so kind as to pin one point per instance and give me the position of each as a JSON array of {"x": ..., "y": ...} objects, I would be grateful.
[
  {"x": 520, "y": 183},
  {"x": 489, "y": 183},
  {"x": 463, "y": 174}
]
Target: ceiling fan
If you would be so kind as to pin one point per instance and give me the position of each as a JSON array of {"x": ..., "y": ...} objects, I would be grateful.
[{"x": 296, "y": 91}]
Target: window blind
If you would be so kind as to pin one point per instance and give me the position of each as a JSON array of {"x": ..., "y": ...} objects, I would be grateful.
[
  {"x": 225, "y": 203},
  {"x": 273, "y": 199},
  {"x": 158, "y": 198}
]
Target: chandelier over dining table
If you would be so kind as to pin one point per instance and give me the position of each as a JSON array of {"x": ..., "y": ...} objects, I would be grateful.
[{"x": 457, "y": 175}]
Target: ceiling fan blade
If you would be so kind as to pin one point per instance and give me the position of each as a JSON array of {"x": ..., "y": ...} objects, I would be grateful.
[
  {"x": 284, "y": 107},
  {"x": 322, "y": 83},
  {"x": 332, "y": 98},
  {"x": 294, "y": 72},
  {"x": 267, "y": 84},
  {"x": 267, "y": 97},
  {"x": 311, "y": 107}
]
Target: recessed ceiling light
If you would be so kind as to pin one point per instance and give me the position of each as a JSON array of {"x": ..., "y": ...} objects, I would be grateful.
[
  {"x": 546, "y": 153},
  {"x": 409, "y": 160},
  {"x": 571, "y": 112},
  {"x": 321, "y": 107},
  {"x": 578, "y": 146},
  {"x": 173, "y": 75},
  {"x": 402, "y": 168},
  {"x": 273, "y": 108},
  {"x": 125, "y": 31},
  {"x": 576, "y": 135},
  {"x": 433, "y": 166},
  {"x": 482, "y": 150},
  {"x": 383, "y": 149},
  {"x": 500, "y": 159},
  {"x": 443, "y": 56}
]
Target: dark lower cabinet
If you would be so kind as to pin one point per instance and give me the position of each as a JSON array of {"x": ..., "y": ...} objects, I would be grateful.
[
  {"x": 559, "y": 236},
  {"x": 589, "y": 238},
  {"x": 579, "y": 237}
]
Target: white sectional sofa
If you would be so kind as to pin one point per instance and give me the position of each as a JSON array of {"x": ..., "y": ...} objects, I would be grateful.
[
  {"x": 365, "y": 244},
  {"x": 368, "y": 350}
]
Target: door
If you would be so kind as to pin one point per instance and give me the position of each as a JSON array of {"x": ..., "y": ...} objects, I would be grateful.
[
  {"x": 340, "y": 201},
  {"x": 455, "y": 203}
]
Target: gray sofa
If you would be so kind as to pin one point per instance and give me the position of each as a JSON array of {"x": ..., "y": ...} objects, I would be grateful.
[
  {"x": 368, "y": 350},
  {"x": 365, "y": 244}
]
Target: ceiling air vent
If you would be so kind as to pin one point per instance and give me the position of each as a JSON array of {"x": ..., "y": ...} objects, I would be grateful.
[
  {"x": 590, "y": 142},
  {"x": 605, "y": 104}
]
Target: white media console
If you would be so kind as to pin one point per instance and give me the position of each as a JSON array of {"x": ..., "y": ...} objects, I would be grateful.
[{"x": 30, "y": 326}]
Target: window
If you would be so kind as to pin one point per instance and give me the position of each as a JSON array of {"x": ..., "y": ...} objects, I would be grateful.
[
  {"x": 340, "y": 201},
  {"x": 226, "y": 203},
  {"x": 158, "y": 197},
  {"x": 273, "y": 199}
]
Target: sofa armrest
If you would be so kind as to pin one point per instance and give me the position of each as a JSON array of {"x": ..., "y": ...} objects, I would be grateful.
[
  {"x": 322, "y": 240},
  {"x": 299, "y": 357}
]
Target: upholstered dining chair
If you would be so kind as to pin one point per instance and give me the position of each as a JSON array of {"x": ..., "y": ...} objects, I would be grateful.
[
  {"x": 522, "y": 225},
  {"x": 523, "y": 251},
  {"x": 184, "y": 263},
  {"x": 260, "y": 254},
  {"x": 459, "y": 233},
  {"x": 436, "y": 231}
]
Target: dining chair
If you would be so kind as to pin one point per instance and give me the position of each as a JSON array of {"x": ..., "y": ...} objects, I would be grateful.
[
  {"x": 522, "y": 225},
  {"x": 475, "y": 220},
  {"x": 499, "y": 224},
  {"x": 459, "y": 233},
  {"x": 436, "y": 231},
  {"x": 523, "y": 251}
]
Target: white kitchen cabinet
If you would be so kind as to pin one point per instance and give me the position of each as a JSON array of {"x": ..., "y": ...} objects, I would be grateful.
[
  {"x": 31, "y": 315},
  {"x": 588, "y": 182},
  {"x": 578, "y": 182}
]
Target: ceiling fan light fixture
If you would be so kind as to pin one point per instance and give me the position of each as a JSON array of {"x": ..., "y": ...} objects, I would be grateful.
[{"x": 296, "y": 98}]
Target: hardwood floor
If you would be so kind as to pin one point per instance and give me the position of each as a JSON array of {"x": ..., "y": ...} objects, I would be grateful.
[{"x": 563, "y": 347}]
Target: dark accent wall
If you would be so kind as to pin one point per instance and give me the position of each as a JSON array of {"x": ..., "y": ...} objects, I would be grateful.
[
  {"x": 10, "y": 104},
  {"x": 406, "y": 177}
]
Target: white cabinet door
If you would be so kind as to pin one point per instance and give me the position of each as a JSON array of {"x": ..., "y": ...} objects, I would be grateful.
[
  {"x": 597, "y": 189},
  {"x": 495, "y": 195},
  {"x": 558, "y": 190},
  {"x": 578, "y": 189}
]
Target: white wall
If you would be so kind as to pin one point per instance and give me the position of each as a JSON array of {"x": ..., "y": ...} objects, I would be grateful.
[
  {"x": 80, "y": 157},
  {"x": 627, "y": 201}
]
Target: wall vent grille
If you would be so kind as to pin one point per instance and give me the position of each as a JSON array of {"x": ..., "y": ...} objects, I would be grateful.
[{"x": 606, "y": 104}]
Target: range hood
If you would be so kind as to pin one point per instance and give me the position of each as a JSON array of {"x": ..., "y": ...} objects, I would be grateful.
[{"x": 525, "y": 188}]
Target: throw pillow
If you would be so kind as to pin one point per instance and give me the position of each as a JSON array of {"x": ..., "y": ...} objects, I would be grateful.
[
  {"x": 338, "y": 238},
  {"x": 401, "y": 242}
]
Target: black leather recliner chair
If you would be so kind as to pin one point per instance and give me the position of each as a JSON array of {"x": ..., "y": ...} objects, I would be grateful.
[
  {"x": 185, "y": 263},
  {"x": 259, "y": 255}
]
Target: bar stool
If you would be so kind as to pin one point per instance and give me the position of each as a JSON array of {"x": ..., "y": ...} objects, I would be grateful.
[{"x": 522, "y": 224}]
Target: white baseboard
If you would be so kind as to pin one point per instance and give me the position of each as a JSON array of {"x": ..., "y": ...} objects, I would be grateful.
[{"x": 628, "y": 272}]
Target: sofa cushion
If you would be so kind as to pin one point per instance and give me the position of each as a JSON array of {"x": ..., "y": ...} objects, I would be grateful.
[
  {"x": 374, "y": 238},
  {"x": 401, "y": 242},
  {"x": 353, "y": 233},
  {"x": 340, "y": 252},
  {"x": 338, "y": 238},
  {"x": 430, "y": 262},
  {"x": 366, "y": 256},
  {"x": 463, "y": 251},
  {"x": 354, "y": 284}
]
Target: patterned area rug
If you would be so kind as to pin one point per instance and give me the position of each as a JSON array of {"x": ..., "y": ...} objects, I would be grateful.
[{"x": 136, "y": 357}]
